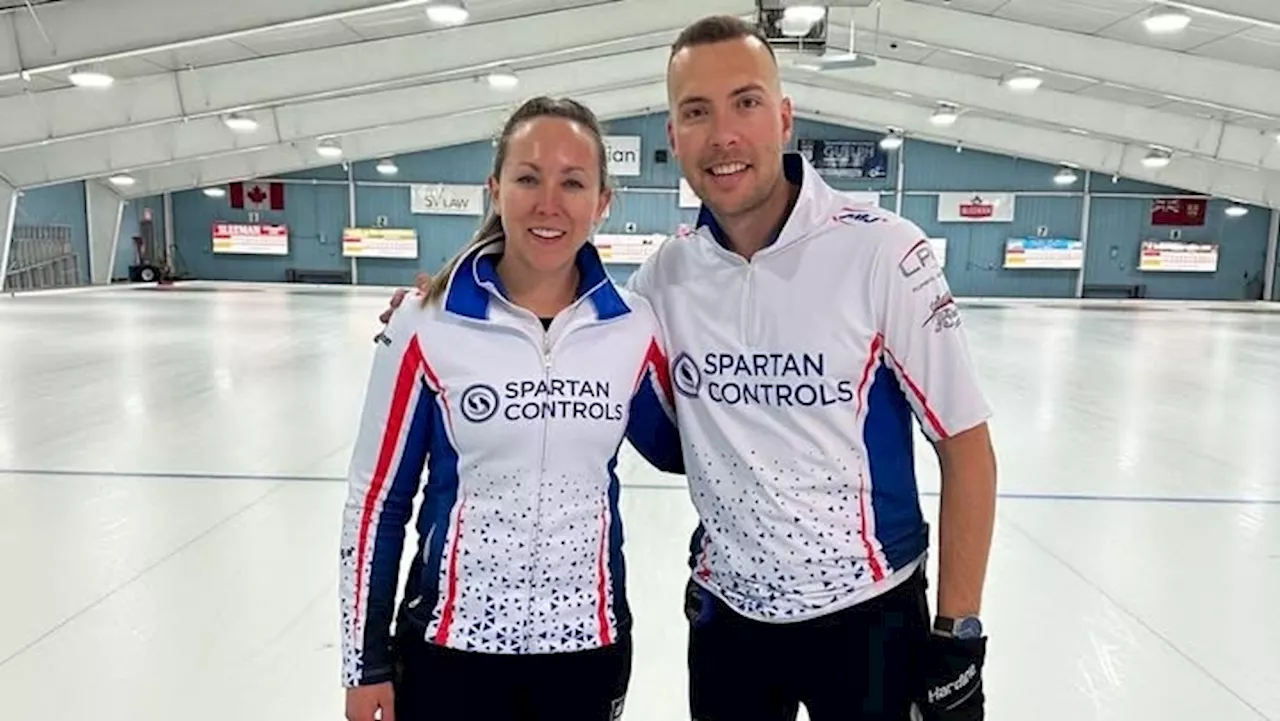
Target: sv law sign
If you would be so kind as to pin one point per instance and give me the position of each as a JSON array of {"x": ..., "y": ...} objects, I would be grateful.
[{"x": 445, "y": 199}]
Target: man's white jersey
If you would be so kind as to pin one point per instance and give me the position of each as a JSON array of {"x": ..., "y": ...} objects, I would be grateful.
[
  {"x": 796, "y": 376},
  {"x": 517, "y": 428}
]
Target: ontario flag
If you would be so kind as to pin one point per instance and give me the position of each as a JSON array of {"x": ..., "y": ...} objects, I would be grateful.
[{"x": 257, "y": 196}]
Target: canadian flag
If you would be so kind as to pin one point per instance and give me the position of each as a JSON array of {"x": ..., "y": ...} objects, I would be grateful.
[{"x": 257, "y": 196}]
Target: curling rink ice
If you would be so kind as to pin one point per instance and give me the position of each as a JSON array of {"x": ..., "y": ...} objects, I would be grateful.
[{"x": 171, "y": 468}]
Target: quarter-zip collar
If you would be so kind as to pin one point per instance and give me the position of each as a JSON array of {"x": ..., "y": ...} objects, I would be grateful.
[
  {"x": 810, "y": 212},
  {"x": 474, "y": 283}
]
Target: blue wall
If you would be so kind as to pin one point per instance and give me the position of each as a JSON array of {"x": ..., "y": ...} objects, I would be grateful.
[
  {"x": 65, "y": 204},
  {"x": 59, "y": 205},
  {"x": 317, "y": 209}
]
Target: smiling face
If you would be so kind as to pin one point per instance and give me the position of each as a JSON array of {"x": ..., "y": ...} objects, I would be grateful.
[
  {"x": 549, "y": 192},
  {"x": 729, "y": 123}
]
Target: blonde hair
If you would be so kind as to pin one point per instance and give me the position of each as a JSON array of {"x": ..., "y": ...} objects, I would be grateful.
[{"x": 491, "y": 229}]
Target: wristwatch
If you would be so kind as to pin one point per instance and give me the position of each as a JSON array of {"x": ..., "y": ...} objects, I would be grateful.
[{"x": 963, "y": 627}]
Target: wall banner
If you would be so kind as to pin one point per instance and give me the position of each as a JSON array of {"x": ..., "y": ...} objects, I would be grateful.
[
  {"x": 975, "y": 207},
  {"x": 250, "y": 239},
  {"x": 623, "y": 152},
  {"x": 446, "y": 199},
  {"x": 1040, "y": 253},
  {"x": 630, "y": 249},
  {"x": 1169, "y": 256},
  {"x": 379, "y": 243}
]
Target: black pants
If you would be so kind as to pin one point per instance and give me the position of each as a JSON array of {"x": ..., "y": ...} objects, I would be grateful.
[
  {"x": 440, "y": 684},
  {"x": 857, "y": 664}
]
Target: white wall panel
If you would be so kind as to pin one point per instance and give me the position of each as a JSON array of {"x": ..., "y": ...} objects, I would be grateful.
[
  {"x": 104, "y": 210},
  {"x": 8, "y": 209}
]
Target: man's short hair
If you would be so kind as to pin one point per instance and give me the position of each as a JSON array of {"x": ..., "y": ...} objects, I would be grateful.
[{"x": 719, "y": 28}]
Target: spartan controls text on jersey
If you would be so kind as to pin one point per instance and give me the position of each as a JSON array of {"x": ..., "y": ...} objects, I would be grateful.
[
  {"x": 529, "y": 400},
  {"x": 770, "y": 379}
]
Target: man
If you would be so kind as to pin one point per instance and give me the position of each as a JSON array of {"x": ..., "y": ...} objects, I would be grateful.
[{"x": 804, "y": 333}]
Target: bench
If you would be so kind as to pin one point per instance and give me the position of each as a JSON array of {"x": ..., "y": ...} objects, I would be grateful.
[
  {"x": 1136, "y": 290},
  {"x": 315, "y": 275}
]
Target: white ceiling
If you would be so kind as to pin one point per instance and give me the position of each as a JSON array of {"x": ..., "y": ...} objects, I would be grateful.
[{"x": 379, "y": 77}]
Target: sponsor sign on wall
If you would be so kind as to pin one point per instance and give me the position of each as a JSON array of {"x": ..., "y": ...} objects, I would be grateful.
[
  {"x": 446, "y": 199},
  {"x": 624, "y": 154},
  {"x": 1169, "y": 256},
  {"x": 379, "y": 243},
  {"x": 1179, "y": 211},
  {"x": 1063, "y": 253},
  {"x": 975, "y": 207},
  {"x": 846, "y": 158},
  {"x": 250, "y": 239},
  {"x": 620, "y": 248}
]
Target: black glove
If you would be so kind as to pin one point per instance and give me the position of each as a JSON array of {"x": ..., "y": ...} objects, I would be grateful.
[{"x": 953, "y": 679}]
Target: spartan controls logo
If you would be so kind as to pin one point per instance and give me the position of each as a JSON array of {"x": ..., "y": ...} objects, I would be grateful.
[
  {"x": 786, "y": 380},
  {"x": 479, "y": 403},
  {"x": 583, "y": 399},
  {"x": 685, "y": 376}
]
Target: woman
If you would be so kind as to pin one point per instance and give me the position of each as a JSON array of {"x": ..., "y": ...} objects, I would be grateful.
[{"x": 512, "y": 381}]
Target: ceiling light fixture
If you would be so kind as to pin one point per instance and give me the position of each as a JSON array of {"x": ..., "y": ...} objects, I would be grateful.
[
  {"x": 1023, "y": 82},
  {"x": 1236, "y": 210},
  {"x": 798, "y": 20},
  {"x": 215, "y": 192},
  {"x": 329, "y": 148},
  {"x": 387, "y": 166},
  {"x": 87, "y": 78},
  {"x": 893, "y": 140},
  {"x": 122, "y": 180},
  {"x": 503, "y": 79},
  {"x": 804, "y": 13},
  {"x": 447, "y": 12},
  {"x": 945, "y": 116},
  {"x": 240, "y": 123},
  {"x": 1157, "y": 158},
  {"x": 1165, "y": 19},
  {"x": 1066, "y": 176}
]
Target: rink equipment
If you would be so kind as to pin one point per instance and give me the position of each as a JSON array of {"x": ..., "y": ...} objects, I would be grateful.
[{"x": 152, "y": 263}]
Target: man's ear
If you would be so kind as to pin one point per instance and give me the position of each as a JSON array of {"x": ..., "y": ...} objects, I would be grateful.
[{"x": 788, "y": 119}]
